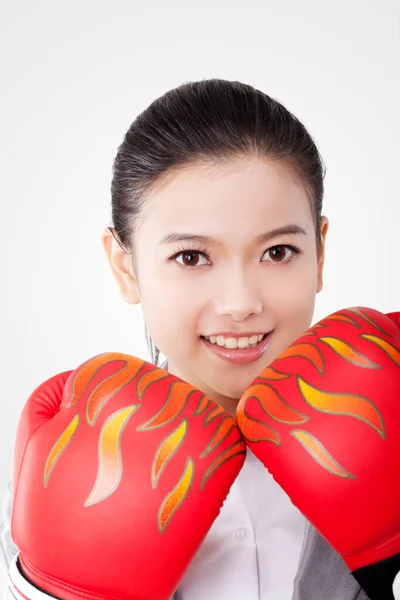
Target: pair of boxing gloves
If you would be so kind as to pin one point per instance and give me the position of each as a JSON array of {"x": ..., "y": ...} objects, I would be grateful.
[{"x": 120, "y": 468}]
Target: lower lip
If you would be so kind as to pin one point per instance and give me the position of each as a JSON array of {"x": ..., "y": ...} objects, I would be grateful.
[{"x": 240, "y": 356}]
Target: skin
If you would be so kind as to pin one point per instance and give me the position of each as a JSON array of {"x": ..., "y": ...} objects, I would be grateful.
[{"x": 243, "y": 287}]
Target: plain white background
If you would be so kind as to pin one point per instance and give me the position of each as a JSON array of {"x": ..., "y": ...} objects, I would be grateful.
[{"x": 73, "y": 77}]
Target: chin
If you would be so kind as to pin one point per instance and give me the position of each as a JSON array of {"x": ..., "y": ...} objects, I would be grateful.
[{"x": 234, "y": 389}]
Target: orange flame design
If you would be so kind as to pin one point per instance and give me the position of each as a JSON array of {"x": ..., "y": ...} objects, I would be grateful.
[
  {"x": 343, "y": 318},
  {"x": 109, "y": 452},
  {"x": 390, "y": 350},
  {"x": 342, "y": 404},
  {"x": 105, "y": 390},
  {"x": 166, "y": 451},
  {"x": 223, "y": 431},
  {"x": 178, "y": 395},
  {"x": 309, "y": 332},
  {"x": 273, "y": 374},
  {"x": 58, "y": 448},
  {"x": 362, "y": 315},
  {"x": 176, "y": 496},
  {"x": 320, "y": 454},
  {"x": 272, "y": 404},
  {"x": 254, "y": 430},
  {"x": 88, "y": 370},
  {"x": 349, "y": 353},
  {"x": 307, "y": 351},
  {"x": 148, "y": 378},
  {"x": 233, "y": 450},
  {"x": 213, "y": 414},
  {"x": 203, "y": 405}
]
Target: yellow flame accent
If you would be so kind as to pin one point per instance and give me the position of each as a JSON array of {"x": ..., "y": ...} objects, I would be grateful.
[
  {"x": 58, "y": 448},
  {"x": 390, "y": 350},
  {"x": 175, "y": 498},
  {"x": 320, "y": 454},
  {"x": 342, "y": 404},
  {"x": 349, "y": 353},
  {"x": 109, "y": 453},
  {"x": 166, "y": 451}
]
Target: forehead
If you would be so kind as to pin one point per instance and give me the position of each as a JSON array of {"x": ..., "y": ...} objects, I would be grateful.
[{"x": 246, "y": 193}]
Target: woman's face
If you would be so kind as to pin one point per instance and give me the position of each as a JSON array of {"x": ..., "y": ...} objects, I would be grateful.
[{"x": 227, "y": 250}]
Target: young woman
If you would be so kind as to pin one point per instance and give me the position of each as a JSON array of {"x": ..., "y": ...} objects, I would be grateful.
[{"x": 217, "y": 232}]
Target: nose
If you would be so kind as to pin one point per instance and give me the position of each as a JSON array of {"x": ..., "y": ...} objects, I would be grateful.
[{"x": 237, "y": 294}]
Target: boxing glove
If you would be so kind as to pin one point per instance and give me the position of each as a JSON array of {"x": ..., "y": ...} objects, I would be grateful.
[
  {"x": 120, "y": 470},
  {"x": 324, "y": 418}
]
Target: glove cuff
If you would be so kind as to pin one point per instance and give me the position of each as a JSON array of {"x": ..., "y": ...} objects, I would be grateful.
[{"x": 19, "y": 588}]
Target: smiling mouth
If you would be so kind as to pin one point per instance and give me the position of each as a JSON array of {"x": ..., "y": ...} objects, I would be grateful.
[{"x": 236, "y": 343}]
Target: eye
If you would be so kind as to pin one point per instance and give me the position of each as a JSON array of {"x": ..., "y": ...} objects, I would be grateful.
[
  {"x": 281, "y": 254},
  {"x": 191, "y": 258}
]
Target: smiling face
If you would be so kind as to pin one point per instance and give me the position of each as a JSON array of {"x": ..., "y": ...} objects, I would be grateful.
[{"x": 224, "y": 253}]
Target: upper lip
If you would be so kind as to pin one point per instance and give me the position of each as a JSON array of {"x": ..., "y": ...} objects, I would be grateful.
[{"x": 236, "y": 334}]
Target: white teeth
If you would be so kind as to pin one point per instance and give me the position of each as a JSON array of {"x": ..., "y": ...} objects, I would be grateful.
[
  {"x": 220, "y": 340},
  {"x": 243, "y": 342},
  {"x": 233, "y": 343}
]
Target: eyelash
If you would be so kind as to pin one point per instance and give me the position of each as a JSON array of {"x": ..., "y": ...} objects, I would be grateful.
[{"x": 203, "y": 251}]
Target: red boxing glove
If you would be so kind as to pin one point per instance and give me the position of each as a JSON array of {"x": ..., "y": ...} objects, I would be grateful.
[
  {"x": 120, "y": 470},
  {"x": 324, "y": 419},
  {"x": 395, "y": 316}
]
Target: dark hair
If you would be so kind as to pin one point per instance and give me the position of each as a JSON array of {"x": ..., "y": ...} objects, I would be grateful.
[{"x": 208, "y": 121}]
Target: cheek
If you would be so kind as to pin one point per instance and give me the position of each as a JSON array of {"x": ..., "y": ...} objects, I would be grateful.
[
  {"x": 293, "y": 302},
  {"x": 170, "y": 313}
]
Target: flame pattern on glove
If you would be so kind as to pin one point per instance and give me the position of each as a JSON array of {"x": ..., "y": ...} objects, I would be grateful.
[
  {"x": 309, "y": 347},
  {"x": 110, "y": 460}
]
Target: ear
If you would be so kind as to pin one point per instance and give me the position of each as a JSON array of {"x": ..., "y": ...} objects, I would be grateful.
[
  {"x": 321, "y": 253},
  {"x": 121, "y": 265}
]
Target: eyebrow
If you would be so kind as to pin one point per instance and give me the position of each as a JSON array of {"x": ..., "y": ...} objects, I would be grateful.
[{"x": 205, "y": 239}]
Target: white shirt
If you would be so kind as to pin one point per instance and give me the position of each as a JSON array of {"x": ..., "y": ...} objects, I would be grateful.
[{"x": 252, "y": 550}]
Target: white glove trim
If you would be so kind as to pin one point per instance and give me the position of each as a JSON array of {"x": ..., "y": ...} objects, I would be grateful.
[{"x": 19, "y": 588}]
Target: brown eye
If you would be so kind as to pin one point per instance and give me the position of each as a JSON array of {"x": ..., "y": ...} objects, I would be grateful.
[
  {"x": 280, "y": 253},
  {"x": 190, "y": 258}
]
